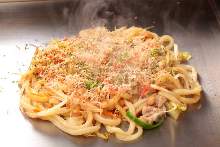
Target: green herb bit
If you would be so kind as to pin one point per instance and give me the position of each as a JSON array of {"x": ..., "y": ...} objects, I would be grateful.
[
  {"x": 91, "y": 84},
  {"x": 123, "y": 56},
  {"x": 155, "y": 52},
  {"x": 184, "y": 56}
]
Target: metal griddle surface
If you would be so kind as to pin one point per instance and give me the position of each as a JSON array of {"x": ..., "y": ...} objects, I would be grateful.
[{"x": 195, "y": 26}]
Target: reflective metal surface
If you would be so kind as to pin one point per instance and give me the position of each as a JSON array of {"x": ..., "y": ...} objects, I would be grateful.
[{"x": 195, "y": 26}]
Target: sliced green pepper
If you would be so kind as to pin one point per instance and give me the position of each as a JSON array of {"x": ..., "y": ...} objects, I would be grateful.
[{"x": 141, "y": 123}]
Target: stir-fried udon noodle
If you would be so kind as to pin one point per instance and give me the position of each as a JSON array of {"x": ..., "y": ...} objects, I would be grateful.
[{"x": 122, "y": 81}]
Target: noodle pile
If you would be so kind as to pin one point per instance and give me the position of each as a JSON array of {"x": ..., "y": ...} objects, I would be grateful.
[{"x": 109, "y": 78}]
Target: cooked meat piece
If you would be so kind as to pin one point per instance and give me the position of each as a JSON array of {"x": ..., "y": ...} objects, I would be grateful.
[{"x": 152, "y": 114}]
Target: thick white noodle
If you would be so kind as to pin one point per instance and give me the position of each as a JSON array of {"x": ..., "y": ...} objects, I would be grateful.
[
  {"x": 132, "y": 135},
  {"x": 69, "y": 130},
  {"x": 107, "y": 121},
  {"x": 167, "y": 39},
  {"x": 50, "y": 111},
  {"x": 71, "y": 125}
]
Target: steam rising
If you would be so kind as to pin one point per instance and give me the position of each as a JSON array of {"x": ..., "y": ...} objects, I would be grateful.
[
  {"x": 165, "y": 16},
  {"x": 91, "y": 13}
]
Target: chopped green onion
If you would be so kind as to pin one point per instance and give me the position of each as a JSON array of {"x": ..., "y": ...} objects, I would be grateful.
[
  {"x": 141, "y": 123},
  {"x": 91, "y": 84},
  {"x": 182, "y": 107},
  {"x": 155, "y": 52},
  {"x": 175, "y": 112},
  {"x": 184, "y": 56}
]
